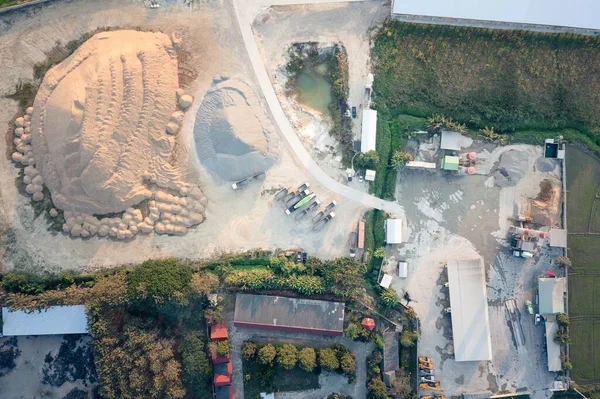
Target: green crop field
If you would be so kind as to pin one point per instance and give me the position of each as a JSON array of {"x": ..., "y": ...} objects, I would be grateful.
[{"x": 583, "y": 180}]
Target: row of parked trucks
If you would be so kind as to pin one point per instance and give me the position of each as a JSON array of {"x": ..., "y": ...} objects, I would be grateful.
[
  {"x": 427, "y": 379},
  {"x": 305, "y": 201}
]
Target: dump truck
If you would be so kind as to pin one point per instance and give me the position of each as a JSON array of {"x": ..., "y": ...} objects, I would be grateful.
[
  {"x": 240, "y": 183},
  {"x": 318, "y": 217},
  {"x": 288, "y": 197},
  {"x": 353, "y": 242},
  {"x": 297, "y": 198},
  {"x": 303, "y": 187},
  {"x": 321, "y": 223},
  {"x": 307, "y": 209},
  {"x": 529, "y": 306},
  {"x": 329, "y": 207},
  {"x": 300, "y": 204},
  {"x": 281, "y": 194}
]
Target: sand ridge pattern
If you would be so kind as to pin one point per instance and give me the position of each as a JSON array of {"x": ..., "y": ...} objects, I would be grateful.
[{"x": 101, "y": 136}]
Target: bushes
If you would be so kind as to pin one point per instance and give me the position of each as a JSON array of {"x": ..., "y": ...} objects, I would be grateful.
[
  {"x": 196, "y": 368},
  {"x": 21, "y": 283},
  {"x": 377, "y": 389},
  {"x": 408, "y": 338},
  {"x": 328, "y": 359},
  {"x": 287, "y": 356},
  {"x": 248, "y": 350},
  {"x": 389, "y": 298},
  {"x": 307, "y": 359},
  {"x": 267, "y": 354},
  {"x": 223, "y": 347},
  {"x": 356, "y": 332},
  {"x": 158, "y": 279}
]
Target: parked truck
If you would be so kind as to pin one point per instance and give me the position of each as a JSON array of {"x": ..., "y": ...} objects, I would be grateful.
[
  {"x": 281, "y": 194},
  {"x": 300, "y": 204},
  {"x": 297, "y": 198},
  {"x": 321, "y": 223},
  {"x": 329, "y": 207},
  {"x": 353, "y": 243},
  {"x": 307, "y": 209},
  {"x": 318, "y": 217}
]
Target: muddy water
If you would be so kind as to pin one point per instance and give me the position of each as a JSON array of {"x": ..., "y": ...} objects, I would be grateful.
[{"x": 314, "y": 90}]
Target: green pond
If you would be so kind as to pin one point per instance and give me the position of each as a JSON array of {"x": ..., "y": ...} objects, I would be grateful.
[{"x": 313, "y": 90}]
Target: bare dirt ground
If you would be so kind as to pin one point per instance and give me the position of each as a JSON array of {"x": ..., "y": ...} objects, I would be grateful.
[
  {"x": 348, "y": 23},
  {"x": 329, "y": 382},
  {"x": 26, "y": 380},
  {"x": 235, "y": 221},
  {"x": 454, "y": 217}
]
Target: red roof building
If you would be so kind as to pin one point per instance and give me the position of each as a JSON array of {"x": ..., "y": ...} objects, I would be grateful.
[
  {"x": 368, "y": 324},
  {"x": 225, "y": 392},
  {"x": 216, "y": 359},
  {"x": 222, "y": 375},
  {"x": 219, "y": 331}
]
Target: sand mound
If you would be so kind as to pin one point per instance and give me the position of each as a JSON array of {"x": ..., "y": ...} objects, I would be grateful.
[
  {"x": 99, "y": 120},
  {"x": 232, "y": 133},
  {"x": 101, "y": 136},
  {"x": 545, "y": 208}
]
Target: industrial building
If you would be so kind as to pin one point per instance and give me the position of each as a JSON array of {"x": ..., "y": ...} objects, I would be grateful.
[
  {"x": 574, "y": 13},
  {"x": 552, "y": 348},
  {"x": 551, "y": 296},
  {"x": 368, "y": 131},
  {"x": 289, "y": 314},
  {"x": 393, "y": 231},
  {"x": 470, "y": 318},
  {"x": 56, "y": 320},
  {"x": 391, "y": 356}
]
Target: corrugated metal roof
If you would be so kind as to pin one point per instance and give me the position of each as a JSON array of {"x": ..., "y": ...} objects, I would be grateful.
[
  {"x": 470, "y": 318},
  {"x": 450, "y": 141},
  {"x": 558, "y": 238},
  {"x": 393, "y": 230},
  {"x": 551, "y": 294},
  {"x": 450, "y": 163},
  {"x": 574, "y": 13},
  {"x": 554, "y": 363},
  {"x": 56, "y": 320},
  {"x": 368, "y": 131},
  {"x": 275, "y": 311},
  {"x": 391, "y": 352}
]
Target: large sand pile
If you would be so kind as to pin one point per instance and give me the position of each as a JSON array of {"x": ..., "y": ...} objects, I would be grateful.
[
  {"x": 232, "y": 133},
  {"x": 100, "y": 137}
]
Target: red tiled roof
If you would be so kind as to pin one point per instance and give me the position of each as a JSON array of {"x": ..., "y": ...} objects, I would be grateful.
[
  {"x": 219, "y": 331},
  {"x": 222, "y": 380},
  {"x": 216, "y": 359},
  {"x": 222, "y": 375},
  {"x": 368, "y": 324}
]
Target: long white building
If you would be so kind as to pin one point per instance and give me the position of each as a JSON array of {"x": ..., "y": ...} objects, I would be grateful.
[
  {"x": 470, "y": 319},
  {"x": 368, "y": 138},
  {"x": 582, "y": 14}
]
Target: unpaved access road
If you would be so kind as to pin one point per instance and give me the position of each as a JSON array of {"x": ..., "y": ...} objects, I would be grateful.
[{"x": 245, "y": 12}]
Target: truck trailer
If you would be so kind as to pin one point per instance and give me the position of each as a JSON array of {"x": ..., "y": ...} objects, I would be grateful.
[{"x": 300, "y": 204}]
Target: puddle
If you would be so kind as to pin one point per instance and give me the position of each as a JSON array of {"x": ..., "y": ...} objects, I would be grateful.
[{"x": 314, "y": 90}]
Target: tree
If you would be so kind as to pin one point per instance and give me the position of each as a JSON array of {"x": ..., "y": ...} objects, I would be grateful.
[
  {"x": 408, "y": 338},
  {"x": 567, "y": 365},
  {"x": 157, "y": 280},
  {"x": 562, "y": 337},
  {"x": 379, "y": 253},
  {"x": 348, "y": 363},
  {"x": 223, "y": 347},
  {"x": 377, "y": 389},
  {"x": 328, "y": 359},
  {"x": 389, "y": 298},
  {"x": 563, "y": 320},
  {"x": 195, "y": 364},
  {"x": 248, "y": 350},
  {"x": 307, "y": 359},
  {"x": 563, "y": 261},
  {"x": 352, "y": 331},
  {"x": 287, "y": 356},
  {"x": 400, "y": 158},
  {"x": 213, "y": 315},
  {"x": 367, "y": 160},
  {"x": 267, "y": 354}
]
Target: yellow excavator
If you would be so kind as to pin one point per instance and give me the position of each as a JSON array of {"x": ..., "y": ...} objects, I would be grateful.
[
  {"x": 425, "y": 363},
  {"x": 435, "y": 396},
  {"x": 432, "y": 386}
]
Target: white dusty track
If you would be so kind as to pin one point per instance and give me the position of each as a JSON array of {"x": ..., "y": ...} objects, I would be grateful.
[{"x": 245, "y": 14}]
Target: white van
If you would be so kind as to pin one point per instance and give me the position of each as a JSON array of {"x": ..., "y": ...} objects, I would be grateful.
[{"x": 402, "y": 269}]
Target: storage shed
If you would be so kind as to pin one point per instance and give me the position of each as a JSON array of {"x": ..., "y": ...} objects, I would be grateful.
[
  {"x": 470, "y": 318},
  {"x": 393, "y": 231},
  {"x": 56, "y": 320},
  {"x": 368, "y": 131},
  {"x": 552, "y": 295},
  {"x": 451, "y": 141},
  {"x": 450, "y": 162},
  {"x": 289, "y": 314}
]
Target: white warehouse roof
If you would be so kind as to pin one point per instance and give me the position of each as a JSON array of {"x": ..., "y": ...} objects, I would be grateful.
[
  {"x": 572, "y": 13},
  {"x": 553, "y": 349},
  {"x": 393, "y": 231},
  {"x": 470, "y": 319},
  {"x": 552, "y": 294},
  {"x": 369, "y": 131},
  {"x": 56, "y": 320}
]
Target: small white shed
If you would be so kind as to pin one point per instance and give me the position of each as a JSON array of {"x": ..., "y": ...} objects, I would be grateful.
[
  {"x": 402, "y": 269},
  {"x": 386, "y": 281}
]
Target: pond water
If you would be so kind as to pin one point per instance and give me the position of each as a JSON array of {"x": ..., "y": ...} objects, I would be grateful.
[{"x": 313, "y": 91}]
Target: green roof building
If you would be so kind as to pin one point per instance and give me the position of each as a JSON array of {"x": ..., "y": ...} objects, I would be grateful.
[{"x": 450, "y": 163}]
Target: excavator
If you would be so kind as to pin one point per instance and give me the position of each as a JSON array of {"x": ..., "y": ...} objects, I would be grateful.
[
  {"x": 425, "y": 363},
  {"x": 432, "y": 386},
  {"x": 435, "y": 396}
]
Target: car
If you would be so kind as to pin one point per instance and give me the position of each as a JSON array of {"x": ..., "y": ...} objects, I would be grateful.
[
  {"x": 299, "y": 257},
  {"x": 538, "y": 319},
  {"x": 304, "y": 257},
  {"x": 353, "y": 112},
  {"x": 360, "y": 178}
]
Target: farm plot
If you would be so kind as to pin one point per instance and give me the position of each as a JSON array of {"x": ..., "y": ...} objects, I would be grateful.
[{"x": 583, "y": 212}]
